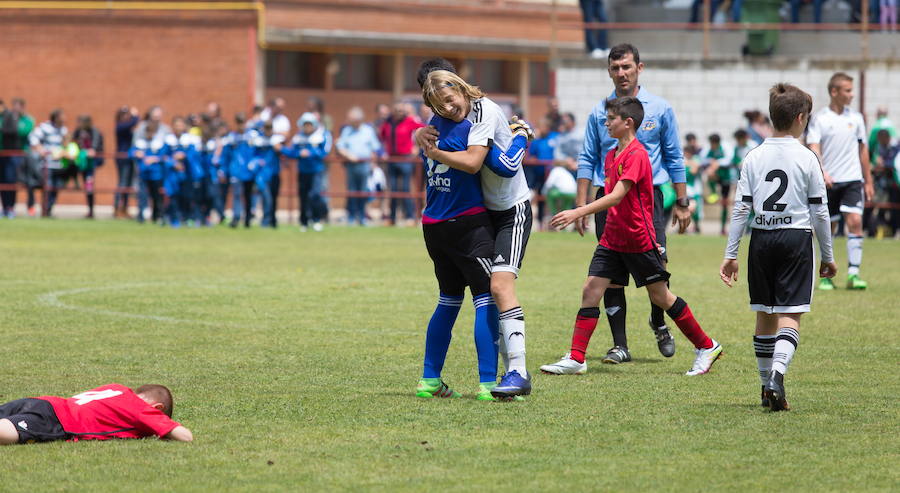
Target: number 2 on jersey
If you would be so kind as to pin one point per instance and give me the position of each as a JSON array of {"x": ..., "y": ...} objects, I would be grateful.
[
  {"x": 771, "y": 204},
  {"x": 93, "y": 395}
]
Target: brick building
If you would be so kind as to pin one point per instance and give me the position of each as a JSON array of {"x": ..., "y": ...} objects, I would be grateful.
[{"x": 93, "y": 57}]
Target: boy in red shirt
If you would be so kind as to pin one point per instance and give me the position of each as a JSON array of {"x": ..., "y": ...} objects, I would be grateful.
[
  {"x": 628, "y": 244},
  {"x": 110, "y": 411}
]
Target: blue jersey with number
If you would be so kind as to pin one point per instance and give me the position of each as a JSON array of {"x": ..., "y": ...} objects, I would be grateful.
[{"x": 449, "y": 192}]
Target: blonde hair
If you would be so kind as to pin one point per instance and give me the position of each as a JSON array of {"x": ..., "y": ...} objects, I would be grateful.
[{"x": 439, "y": 79}]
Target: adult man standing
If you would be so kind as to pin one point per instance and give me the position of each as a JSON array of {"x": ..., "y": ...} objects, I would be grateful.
[
  {"x": 396, "y": 134},
  {"x": 659, "y": 135},
  {"x": 837, "y": 134}
]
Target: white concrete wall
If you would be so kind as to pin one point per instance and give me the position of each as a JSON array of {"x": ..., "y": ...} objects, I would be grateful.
[{"x": 713, "y": 98}]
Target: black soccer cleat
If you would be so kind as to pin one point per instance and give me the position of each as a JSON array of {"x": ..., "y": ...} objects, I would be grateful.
[
  {"x": 664, "y": 340},
  {"x": 764, "y": 401},
  {"x": 616, "y": 355},
  {"x": 776, "y": 394}
]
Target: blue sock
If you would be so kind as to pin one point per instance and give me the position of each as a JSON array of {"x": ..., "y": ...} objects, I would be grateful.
[
  {"x": 487, "y": 332},
  {"x": 440, "y": 330}
]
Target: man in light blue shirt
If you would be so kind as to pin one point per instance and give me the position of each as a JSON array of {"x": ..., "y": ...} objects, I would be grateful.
[
  {"x": 358, "y": 144},
  {"x": 658, "y": 133}
]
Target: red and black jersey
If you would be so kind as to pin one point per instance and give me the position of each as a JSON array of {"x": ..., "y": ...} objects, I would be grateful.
[
  {"x": 629, "y": 225},
  {"x": 109, "y": 411}
]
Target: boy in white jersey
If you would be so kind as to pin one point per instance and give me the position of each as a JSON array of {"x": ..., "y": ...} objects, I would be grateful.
[
  {"x": 782, "y": 182},
  {"x": 837, "y": 134},
  {"x": 506, "y": 196}
]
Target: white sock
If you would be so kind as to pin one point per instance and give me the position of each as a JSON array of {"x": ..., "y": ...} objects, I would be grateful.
[
  {"x": 764, "y": 347},
  {"x": 512, "y": 330},
  {"x": 786, "y": 343},
  {"x": 854, "y": 254},
  {"x": 501, "y": 348}
]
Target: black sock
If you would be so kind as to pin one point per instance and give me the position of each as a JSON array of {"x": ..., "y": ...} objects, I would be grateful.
[
  {"x": 615, "y": 304},
  {"x": 656, "y": 314}
]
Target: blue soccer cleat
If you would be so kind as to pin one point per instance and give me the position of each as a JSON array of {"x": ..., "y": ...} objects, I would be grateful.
[{"x": 511, "y": 385}]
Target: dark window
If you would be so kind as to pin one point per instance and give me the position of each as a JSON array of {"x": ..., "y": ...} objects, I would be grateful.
[
  {"x": 539, "y": 74},
  {"x": 295, "y": 69},
  {"x": 494, "y": 76},
  {"x": 364, "y": 72}
]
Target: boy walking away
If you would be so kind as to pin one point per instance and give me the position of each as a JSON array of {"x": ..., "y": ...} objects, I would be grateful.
[
  {"x": 628, "y": 244},
  {"x": 782, "y": 183},
  {"x": 109, "y": 411}
]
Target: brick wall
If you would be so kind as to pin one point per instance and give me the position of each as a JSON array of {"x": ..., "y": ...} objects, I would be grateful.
[{"x": 94, "y": 62}]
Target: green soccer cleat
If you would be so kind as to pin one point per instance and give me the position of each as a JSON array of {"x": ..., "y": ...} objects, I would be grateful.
[
  {"x": 429, "y": 388},
  {"x": 825, "y": 284},
  {"x": 484, "y": 394},
  {"x": 484, "y": 391},
  {"x": 854, "y": 282}
]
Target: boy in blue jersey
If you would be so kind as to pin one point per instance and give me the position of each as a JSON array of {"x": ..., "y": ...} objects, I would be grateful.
[
  {"x": 310, "y": 147},
  {"x": 150, "y": 152},
  {"x": 266, "y": 165},
  {"x": 184, "y": 158},
  {"x": 460, "y": 241},
  {"x": 235, "y": 158}
]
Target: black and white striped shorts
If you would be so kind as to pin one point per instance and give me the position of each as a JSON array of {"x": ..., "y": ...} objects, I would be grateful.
[{"x": 512, "y": 228}]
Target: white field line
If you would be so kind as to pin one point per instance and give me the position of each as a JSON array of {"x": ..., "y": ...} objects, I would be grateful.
[{"x": 52, "y": 299}]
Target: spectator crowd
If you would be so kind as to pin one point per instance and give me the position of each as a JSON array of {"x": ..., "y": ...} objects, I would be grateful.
[{"x": 199, "y": 169}]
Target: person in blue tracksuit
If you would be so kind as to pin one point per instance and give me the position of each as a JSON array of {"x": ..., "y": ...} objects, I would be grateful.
[
  {"x": 184, "y": 159},
  {"x": 236, "y": 157},
  {"x": 150, "y": 152},
  {"x": 218, "y": 172},
  {"x": 266, "y": 165},
  {"x": 310, "y": 147}
]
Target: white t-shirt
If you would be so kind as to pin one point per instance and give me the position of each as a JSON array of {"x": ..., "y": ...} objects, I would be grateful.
[
  {"x": 840, "y": 136},
  {"x": 781, "y": 178},
  {"x": 561, "y": 180},
  {"x": 490, "y": 127}
]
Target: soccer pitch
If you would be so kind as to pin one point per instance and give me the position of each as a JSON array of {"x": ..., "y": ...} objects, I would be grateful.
[{"x": 294, "y": 357}]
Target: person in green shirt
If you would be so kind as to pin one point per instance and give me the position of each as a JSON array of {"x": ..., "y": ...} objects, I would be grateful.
[{"x": 882, "y": 123}]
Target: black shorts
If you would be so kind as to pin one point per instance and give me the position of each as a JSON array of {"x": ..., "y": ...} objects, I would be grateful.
[
  {"x": 34, "y": 419},
  {"x": 845, "y": 197},
  {"x": 512, "y": 228},
  {"x": 461, "y": 250},
  {"x": 725, "y": 190},
  {"x": 781, "y": 270},
  {"x": 646, "y": 268},
  {"x": 660, "y": 219}
]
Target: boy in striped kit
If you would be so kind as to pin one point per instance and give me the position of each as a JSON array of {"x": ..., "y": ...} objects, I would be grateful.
[{"x": 783, "y": 184}]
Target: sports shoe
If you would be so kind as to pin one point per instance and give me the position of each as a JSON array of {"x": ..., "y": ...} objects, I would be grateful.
[
  {"x": 303, "y": 229},
  {"x": 775, "y": 393},
  {"x": 616, "y": 355},
  {"x": 565, "y": 366},
  {"x": 434, "y": 387},
  {"x": 763, "y": 400},
  {"x": 825, "y": 284},
  {"x": 854, "y": 282},
  {"x": 705, "y": 359},
  {"x": 664, "y": 340},
  {"x": 511, "y": 385},
  {"x": 317, "y": 227},
  {"x": 484, "y": 394}
]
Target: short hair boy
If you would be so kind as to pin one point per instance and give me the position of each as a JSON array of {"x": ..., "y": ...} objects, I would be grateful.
[
  {"x": 782, "y": 183},
  {"x": 628, "y": 244},
  {"x": 103, "y": 413}
]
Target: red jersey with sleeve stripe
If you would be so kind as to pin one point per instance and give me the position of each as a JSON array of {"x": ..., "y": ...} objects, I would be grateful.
[
  {"x": 629, "y": 225},
  {"x": 109, "y": 411}
]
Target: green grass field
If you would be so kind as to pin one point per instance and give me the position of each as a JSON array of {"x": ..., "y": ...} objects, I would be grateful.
[{"x": 293, "y": 358}]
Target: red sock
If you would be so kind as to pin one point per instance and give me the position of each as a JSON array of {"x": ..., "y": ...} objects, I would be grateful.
[
  {"x": 585, "y": 323},
  {"x": 685, "y": 321}
]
